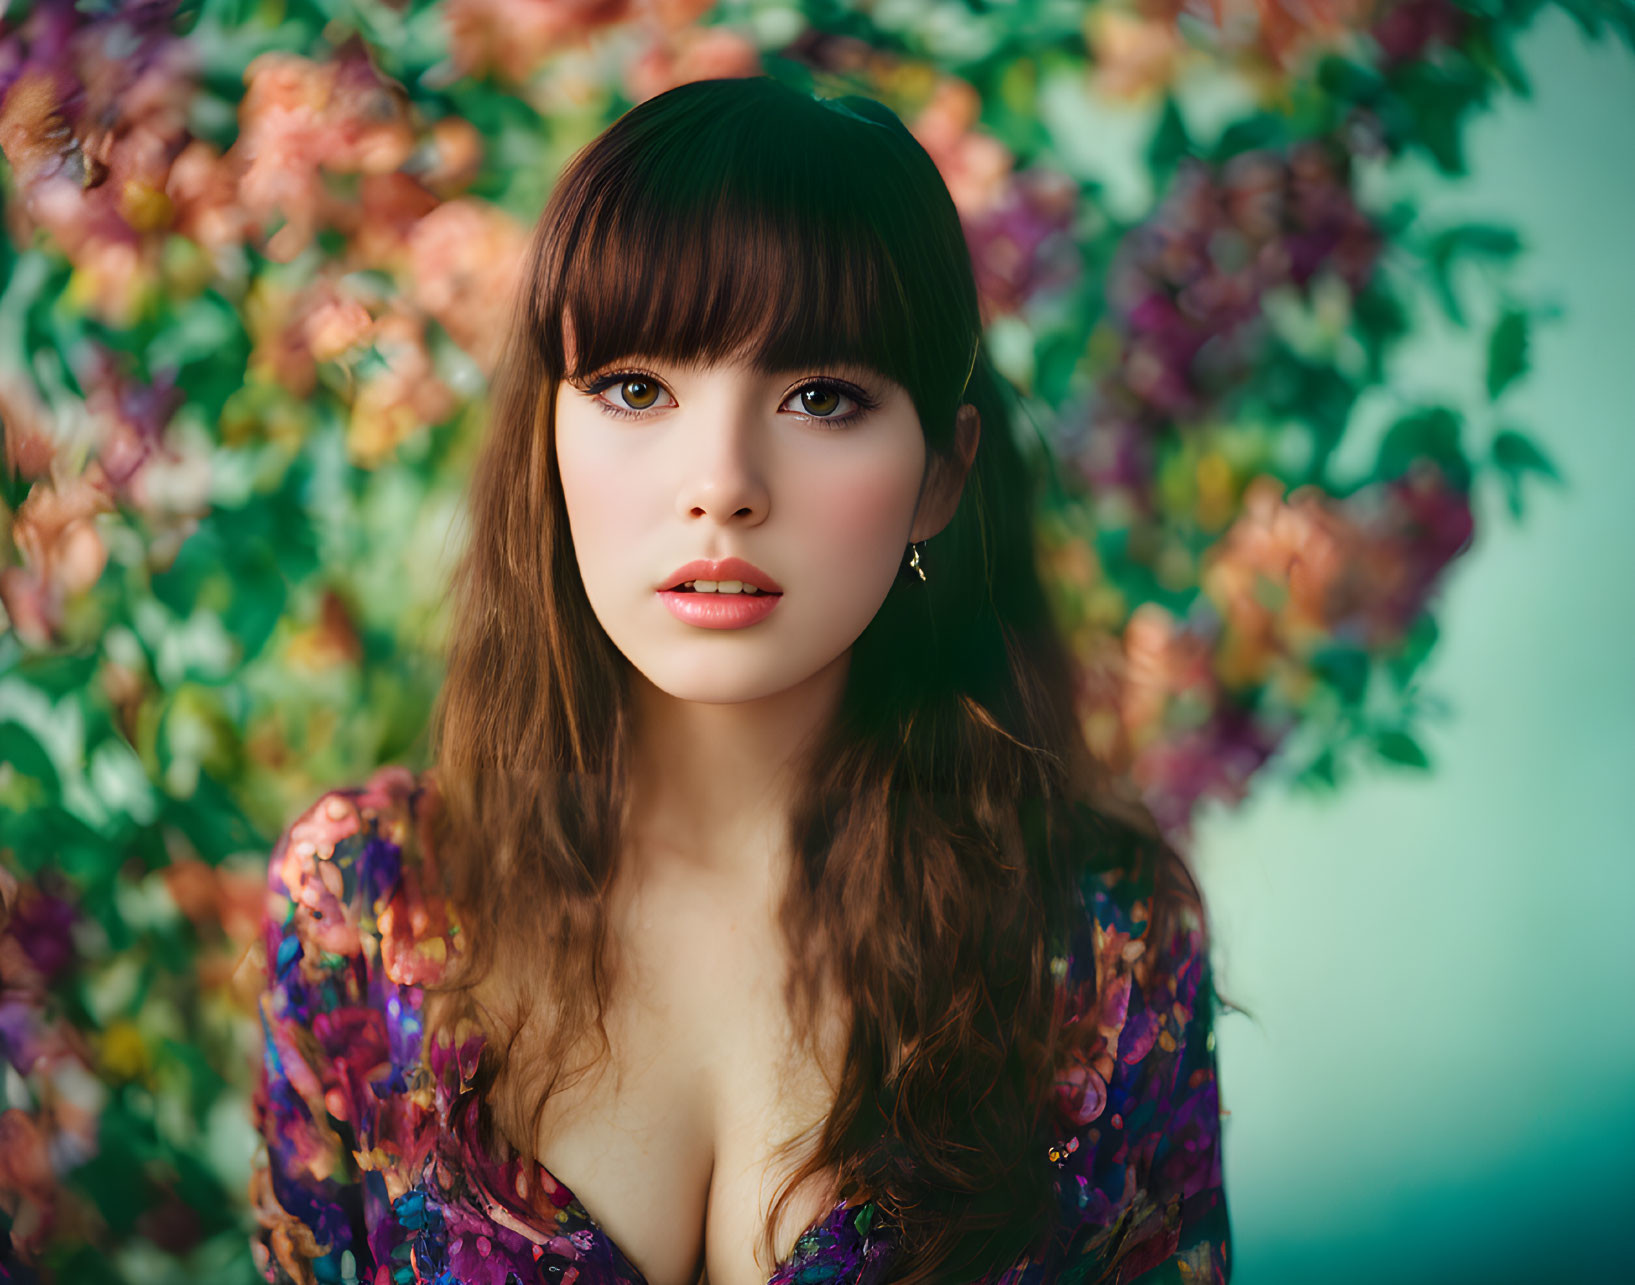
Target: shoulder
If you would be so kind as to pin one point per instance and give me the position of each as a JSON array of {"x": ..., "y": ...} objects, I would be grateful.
[
  {"x": 1137, "y": 1103},
  {"x": 346, "y": 878},
  {"x": 326, "y": 1032},
  {"x": 1139, "y": 976}
]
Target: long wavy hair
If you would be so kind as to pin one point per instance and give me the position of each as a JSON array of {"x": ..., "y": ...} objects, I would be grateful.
[{"x": 948, "y": 814}]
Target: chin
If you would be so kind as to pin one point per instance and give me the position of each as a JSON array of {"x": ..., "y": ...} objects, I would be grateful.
[{"x": 720, "y": 680}]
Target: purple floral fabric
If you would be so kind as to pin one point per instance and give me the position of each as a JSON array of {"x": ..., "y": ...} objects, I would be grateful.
[{"x": 373, "y": 1172}]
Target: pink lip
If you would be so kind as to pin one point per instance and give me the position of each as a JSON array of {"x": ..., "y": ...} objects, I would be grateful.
[
  {"x": 722, "y": 569},
  {"x": 719, "y": 610}
]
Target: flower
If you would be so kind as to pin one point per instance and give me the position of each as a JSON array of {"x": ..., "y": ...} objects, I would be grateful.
[
  {"x": 688, "y": 54},
  {"x": 463, "y": 256},
  {"x": 63, "y": 553},
  {"x": 511, "y": 38},
  {"x": 1022, "y": 243},
  {"x": 1134, "y": 56},
  {"x": 974, "y": 165}
]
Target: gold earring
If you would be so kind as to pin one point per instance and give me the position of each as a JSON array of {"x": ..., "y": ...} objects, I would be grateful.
[
  {"x": 915, "y": 560},
  {"x": 977, "y": 343}
]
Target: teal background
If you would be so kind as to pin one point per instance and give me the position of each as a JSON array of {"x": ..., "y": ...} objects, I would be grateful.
[{"x": 1437, "y": 1082}]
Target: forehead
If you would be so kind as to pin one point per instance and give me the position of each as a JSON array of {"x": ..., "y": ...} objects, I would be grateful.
[{"x": 738, "y": 363}]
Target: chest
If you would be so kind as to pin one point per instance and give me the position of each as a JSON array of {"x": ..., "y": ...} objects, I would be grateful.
[{"x": 673, "y": 1141}]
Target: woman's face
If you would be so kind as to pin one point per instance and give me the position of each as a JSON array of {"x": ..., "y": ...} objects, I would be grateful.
[{"x": 795, "y": 473}]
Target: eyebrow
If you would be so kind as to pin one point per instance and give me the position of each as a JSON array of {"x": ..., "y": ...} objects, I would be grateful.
[{"x": 858, "y": 369}]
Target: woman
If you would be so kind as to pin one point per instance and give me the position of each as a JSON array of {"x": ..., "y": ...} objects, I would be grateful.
[{"x": 763, "y": 888}]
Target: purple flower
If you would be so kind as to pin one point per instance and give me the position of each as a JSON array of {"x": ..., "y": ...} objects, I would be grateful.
[{"x": 42, "y": 925}]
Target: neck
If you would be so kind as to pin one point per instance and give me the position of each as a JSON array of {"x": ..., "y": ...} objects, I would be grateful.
[{"x": 712, "y": 783}]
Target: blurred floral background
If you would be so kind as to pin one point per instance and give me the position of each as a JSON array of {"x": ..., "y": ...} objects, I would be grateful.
[{"x": 252, "y": 268}]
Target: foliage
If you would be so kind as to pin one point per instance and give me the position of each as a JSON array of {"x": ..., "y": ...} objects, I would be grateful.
[{"x": 251, "y": 277}]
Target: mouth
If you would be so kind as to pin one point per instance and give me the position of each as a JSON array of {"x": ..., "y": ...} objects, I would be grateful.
[
  {"x": 722, "y": 589},
  {"x": 706, "y": 608},
  {"x": 723, "y": 576}
]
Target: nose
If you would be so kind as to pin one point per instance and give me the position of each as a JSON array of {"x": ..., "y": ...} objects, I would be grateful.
[{"x": 722, "y": 466}]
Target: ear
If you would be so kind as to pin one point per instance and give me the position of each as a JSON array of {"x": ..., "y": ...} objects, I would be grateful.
[{"x": 945, "y": 480}]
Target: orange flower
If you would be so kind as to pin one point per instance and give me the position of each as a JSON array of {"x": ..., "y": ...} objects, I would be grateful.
[
  {"x": 278, "y": 351},
  {"x": 1134, "y": 57},
  {"x": 457, "y": 153},
  {"x": 689, "y": 54},
  {"x": 30, "y": 444},
  {"x": 1165, "y": 663},
  {"x": 203, "y": 192},
  {"x": 63, "y": 553},
  {"x": 513, "y": 37},
  {"x": 369, "y": 118},
  {"x": 464, "y": 257},
  {"x": 408, "y": 395},
  {"x": 333, "y": 640},
  {"x": 974, "y": 165},
  {"x": 282, "y": 126},
  {"x": 334, "y": 323},
  {"x": 1282, "y": 577}
]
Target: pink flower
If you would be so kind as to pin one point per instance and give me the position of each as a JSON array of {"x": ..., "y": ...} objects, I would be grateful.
[
  {"x": 1022, "y": 244},
  {"x": 30, "y": 444},
  {"x": 63, "y": 553},
  {"x": 334, "y": 323},
  {"x": 689, "y": 54},
  {"x": 511, "y": 38},
  {"x": 400, "y": 401},
  {"x": 464, "y": 256},
  {"x": 203, "y": 191},
  {"x": 974, "y": 165},
  {"x": 1410, "y": 27}
]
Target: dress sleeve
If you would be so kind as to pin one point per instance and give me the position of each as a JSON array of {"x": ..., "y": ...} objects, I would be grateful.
[
  {"x": 1139, "y": 1164},
  {"x": 306, "y": 1188}
]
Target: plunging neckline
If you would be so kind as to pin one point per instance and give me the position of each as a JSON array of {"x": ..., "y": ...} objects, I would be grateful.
[
  {"x": 564, "y": 1197},
  {"x": 624, "y": 1260},
  {"x": 543, "y": 1180}
]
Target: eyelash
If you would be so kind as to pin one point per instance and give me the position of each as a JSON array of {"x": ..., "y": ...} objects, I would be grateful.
[{"x": 865, "y": 403}]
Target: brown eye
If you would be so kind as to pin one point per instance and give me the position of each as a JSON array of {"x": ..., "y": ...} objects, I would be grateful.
[
  {"x": 819, "y": 400},
  {"x": 637, "y": 392},
  {"x": 645, "y": 395}
]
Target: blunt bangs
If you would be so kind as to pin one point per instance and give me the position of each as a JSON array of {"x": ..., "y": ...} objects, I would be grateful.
[{"x": 744, "y": 220}]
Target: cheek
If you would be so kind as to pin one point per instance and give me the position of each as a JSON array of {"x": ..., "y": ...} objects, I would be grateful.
[
  {"x": 859, "y": 518},
  {"x": 872, "y": 512},
  {"x": 598, "y": 497}
]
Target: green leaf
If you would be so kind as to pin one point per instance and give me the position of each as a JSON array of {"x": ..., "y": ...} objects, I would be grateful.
[
  {"x": 1265, "y": 129},
  {"x": 23, "y": 753},
  {"x": 198, "y": 329},
  {"x": 1170, "y": 141},
  {"x": 1506, "y": 352},
  {"x": 59, "y": 673},
  {"x": 1431, "y": 433},
  {"x": 1488, "y": 241},
  {"x": 1380, "y": 320},
  {"x": 1433, "y": 101},
  {"x": 1512, "y": 495},
  {"x": 1515, "y": 456},
  {"x": 1590, "y": 15},
  {"x": 1345, "y": 669},
  {"x": 50, "y": 835},
  {"x": 1516, "y": 453},
  {"x": 1416, "y": 646},
  {"x": 1320, "y": 775},
  {"x": 1355, "y": 82},
  {"x": 1398, "y": 747}
]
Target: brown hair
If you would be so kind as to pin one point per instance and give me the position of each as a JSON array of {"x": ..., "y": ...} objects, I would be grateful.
[{"x": 949, "y": 813}]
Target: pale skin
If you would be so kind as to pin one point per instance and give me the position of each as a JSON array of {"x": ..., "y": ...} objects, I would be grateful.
[{"x": 672, "y": 1153}]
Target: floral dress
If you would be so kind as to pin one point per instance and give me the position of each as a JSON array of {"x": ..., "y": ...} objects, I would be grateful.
[{"x": 373, "y": 1171}]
